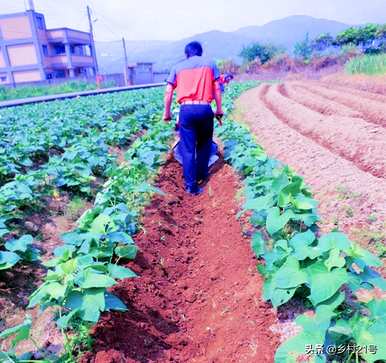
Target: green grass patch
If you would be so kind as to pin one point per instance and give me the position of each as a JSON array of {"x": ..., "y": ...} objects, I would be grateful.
[{"x": 367, "y": 64}]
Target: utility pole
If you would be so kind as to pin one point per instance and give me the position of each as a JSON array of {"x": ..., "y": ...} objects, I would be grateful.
[
  {"x": 31, "y": 5},
  {"x": 92, "y": 48},
  {"x": 126, "y": 63}
]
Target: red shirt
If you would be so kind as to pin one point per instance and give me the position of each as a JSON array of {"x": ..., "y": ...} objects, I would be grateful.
[{"x": 194, "y": 79}]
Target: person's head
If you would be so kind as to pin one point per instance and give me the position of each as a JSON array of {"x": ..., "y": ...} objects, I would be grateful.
[
  {"x": 192, "y": 49},
  {"x": 229, "y": 77}
]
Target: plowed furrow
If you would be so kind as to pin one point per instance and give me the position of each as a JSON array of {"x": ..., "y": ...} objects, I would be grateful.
[
  {"x": 372, "y": 111},
  {"x": 353, "y": 139},
  {"x": 318, "y": 104}
]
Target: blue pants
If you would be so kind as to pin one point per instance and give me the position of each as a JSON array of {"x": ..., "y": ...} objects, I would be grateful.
[{"x": 196, "y": 133}]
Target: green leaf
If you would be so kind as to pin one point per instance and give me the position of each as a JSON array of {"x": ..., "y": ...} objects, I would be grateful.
[
  {"x": 65, "y": 252},
  {"x": 120, "y": 272},
  {"x": 377, "y": 309},
  {"x": 357, "y": 252},
  {"x": 114, "y": 303},
  {"x": 259, "y": 203},
  {"x": 55, "y": 290},
  {"x": 20, "y": 331},
  {"x": 120, "y": 237},
  {"x": 305, "y": 238},
  {"x": 257, "y": 244},
  {"x": 8, "y": 259},
  {"x": 64, "y": 321},
  {"x": 89, "y": 303},
  {"x": 285, "y": 196},
  {"x": 313, "y": 333},
  {"x": 38, "y": 296},
  {"x": 335, "y": 259},
  {"x": 281, "y": 296},
  {"x": 334, "y": 240},
  {"x": 324, "y": 283},
  {"x": 93, "y": 280},
  {"x": 304, "y": 203},
  {"x": 19, "y": 245},
  {"x": 341, "y": 327},
  {"x": 289, "y": 275},
  {"x": 69, "y": 266},
  {"x": 129, "y": 252},
  {"x": 101, "y": 224},
  {"x": 301, "y": 243},
  {"x": 276, "y": 221}
]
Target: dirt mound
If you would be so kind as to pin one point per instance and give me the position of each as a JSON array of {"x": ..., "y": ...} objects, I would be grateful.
[
  {"x": 198, "y": 297},
  {"x": 354, "y": 139},
  {"x": 362, "y": 82}
]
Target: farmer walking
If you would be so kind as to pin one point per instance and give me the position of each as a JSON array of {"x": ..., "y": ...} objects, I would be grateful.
[{"x": 196, "y": 80}]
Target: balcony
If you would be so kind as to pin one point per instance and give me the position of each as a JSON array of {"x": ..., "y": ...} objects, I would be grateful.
[
  {"x": 82, "y": 61},
  {"x": 61, "y": 61},
  {"x": 63, "y": 35}
]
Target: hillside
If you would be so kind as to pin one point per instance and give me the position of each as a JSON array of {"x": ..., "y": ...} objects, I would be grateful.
[{"x": 217, "y": 44}]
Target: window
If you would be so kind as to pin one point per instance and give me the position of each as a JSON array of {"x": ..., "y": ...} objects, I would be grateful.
[
  {"x": 60, "y": 74},
  {"x": 45, "y": 50},
  {"x": 40, "y": 22},
  {"x": 3, "y": 78},
  {"x": 59, "y": 48}
]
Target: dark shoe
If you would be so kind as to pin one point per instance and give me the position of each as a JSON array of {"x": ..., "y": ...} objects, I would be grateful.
[
  {"x": 203, "y": 180},
  {"x": 194, "y": 190}
]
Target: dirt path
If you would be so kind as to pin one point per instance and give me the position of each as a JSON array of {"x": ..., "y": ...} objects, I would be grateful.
[
  {"x": 350, "y": 198},
  {"x": 198, "y": 295}
]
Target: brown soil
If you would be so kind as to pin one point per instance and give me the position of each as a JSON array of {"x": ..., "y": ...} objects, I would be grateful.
[
  {"x": 198, "y": 297},
  {"x": 351, "y": 138},
  {"x": 339, "y": 157},
  {"x": 362, "y": 82},
  {"x": 371, "y": 107}
]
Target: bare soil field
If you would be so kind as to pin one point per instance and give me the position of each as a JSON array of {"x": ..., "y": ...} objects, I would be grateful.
[
  {"x": 334, "y": 136},
  {"x": 362, "y": 82}
]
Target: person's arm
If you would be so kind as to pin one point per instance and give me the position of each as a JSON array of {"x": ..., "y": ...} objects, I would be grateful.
[
  {"x": 217, "y": 79},
  {"x": 168, "y": 99},
  {"x": 218, "y": 99}
]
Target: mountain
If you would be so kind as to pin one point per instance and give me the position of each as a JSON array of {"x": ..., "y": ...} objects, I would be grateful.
[
  {"x": 286, "y": 32},
  {"x": 217, "y": 44}
]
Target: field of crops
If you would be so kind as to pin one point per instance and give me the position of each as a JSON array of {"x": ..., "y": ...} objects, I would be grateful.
[
  {"x": 35, "y": 91},
  {"x": 97, "y": 232}
]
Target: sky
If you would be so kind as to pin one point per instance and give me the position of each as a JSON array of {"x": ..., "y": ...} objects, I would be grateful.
[{"x": 177, "y": 19}]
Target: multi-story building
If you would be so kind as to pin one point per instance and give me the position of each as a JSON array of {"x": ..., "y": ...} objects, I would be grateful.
[{"x": 29, "y": 52}]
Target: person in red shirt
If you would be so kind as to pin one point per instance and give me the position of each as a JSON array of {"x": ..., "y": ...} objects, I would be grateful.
[
  {"x": 225, "y": 80},
  {"x": 196, "y": 81}
]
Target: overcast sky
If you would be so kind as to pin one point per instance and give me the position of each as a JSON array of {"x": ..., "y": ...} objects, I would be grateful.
[{"x": 176, "y": 19}]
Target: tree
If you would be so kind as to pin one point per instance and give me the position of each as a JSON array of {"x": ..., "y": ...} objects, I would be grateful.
[
  {"x": 303, "y": 49},
  {"x": 322, "y": 42},
  {"x": 358, "y": 35},
  {"x": 257, "y": 50}
]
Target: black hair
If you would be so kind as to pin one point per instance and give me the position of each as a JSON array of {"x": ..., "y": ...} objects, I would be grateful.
[{"x": 192, "y": 49}]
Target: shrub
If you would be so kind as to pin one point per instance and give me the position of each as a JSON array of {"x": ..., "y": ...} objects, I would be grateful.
[
  {"x": 257, "y": 50},
  {"x": 228, "y": 66},
  {"x": 303, "y": 49}
]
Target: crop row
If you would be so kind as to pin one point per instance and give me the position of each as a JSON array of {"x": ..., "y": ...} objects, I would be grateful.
[
  {"x": 81, "y": 131},
  {"x": 32, "y": 134},
  {"x": 330, "y": 276}
]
